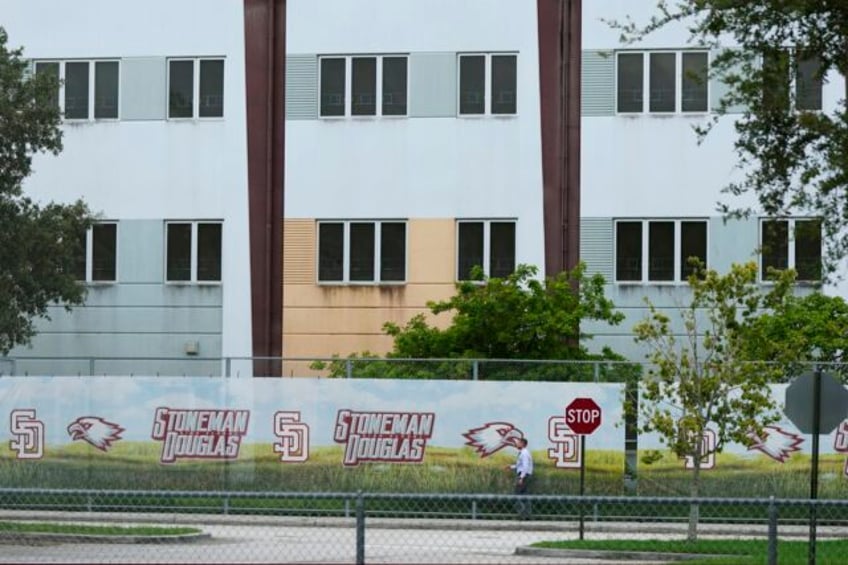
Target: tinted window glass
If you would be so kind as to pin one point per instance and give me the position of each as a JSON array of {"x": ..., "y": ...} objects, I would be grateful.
[
  {"x": 179, "y": 252},
  {"x": 693, "y": 243},
  {"x": 362, "y": 251},
  {"x": 51, "y": 69},
  {"x": 394, "y": 86},
  {"x": 663, "y": 78},
  {"x": 628, "y": 251},
  {"x": 209, "y": 252},
  {"x": 501, "y": 249},
  {"x": 181, "y": 89},
  {"x": 694, "y": 82},
  {"x": 363, "y": 100},
  {"x": 808, "y": 83},
  {"x": 393, "y": 251},
  {"x": 76, "y": 91},
  {"x": 470, "y": 248},
  {"x": 211, "y": 102},
  {"x": 472, "y": 84},
  {"x": 775, "y": 251},
  {"x": 330, "y": 252},
  {"x": 630, "y": 82},
  {"x": 661, "y": 251},
  {"x": 776, "y": 80},
  {"x": 104, "y": 250},
  {"x": 808, "y": 250},
  {"x": 332, "y": 87},
  {"x": 504, "y": 84},
  {"x": 106, "y": 89}
]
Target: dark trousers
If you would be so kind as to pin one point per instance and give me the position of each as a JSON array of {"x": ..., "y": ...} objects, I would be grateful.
[{"x": 522, "y": 488}]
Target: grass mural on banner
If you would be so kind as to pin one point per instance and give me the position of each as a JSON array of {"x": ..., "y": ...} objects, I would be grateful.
[{"x": 136, "y": 466}]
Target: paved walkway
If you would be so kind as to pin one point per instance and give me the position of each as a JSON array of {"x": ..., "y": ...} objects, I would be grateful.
[{"x": 264, "y": 539}]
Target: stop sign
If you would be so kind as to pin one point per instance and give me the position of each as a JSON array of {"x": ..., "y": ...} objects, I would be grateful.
[
  {"x": 583, "y": 416},
  {"x": 833, "y": 403}
]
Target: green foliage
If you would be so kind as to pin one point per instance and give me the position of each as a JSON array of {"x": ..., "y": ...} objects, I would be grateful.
[
  {"x": 798, "y": 330},
  {"x": 794, "y": 161},
  {"x": 706, "y": 379},
  {"x": 516, "y": 317},
  {"x": 39, "y": 243}
]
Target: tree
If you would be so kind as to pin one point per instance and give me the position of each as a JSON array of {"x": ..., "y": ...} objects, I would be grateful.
[
  {"x": 40, "y": 245},
  {"x": 794, "y": 157},
  {"x": 704, "y": 379},
  {"x": 515, "y": 317},
  {"x": 798, "y": 330}
]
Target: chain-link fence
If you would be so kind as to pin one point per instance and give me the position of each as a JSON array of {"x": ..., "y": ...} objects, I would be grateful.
[
  {"x": 92, "y": 526},
  {"x": 351, "y": 367}
]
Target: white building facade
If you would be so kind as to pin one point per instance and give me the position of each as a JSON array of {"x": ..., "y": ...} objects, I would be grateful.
[
  {"x": 155, "y": 143},
  {"x": 649, "y": 191},
  {"x": 282, "y": 177}
]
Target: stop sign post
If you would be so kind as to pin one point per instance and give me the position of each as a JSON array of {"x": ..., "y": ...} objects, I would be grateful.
[
  {"x": 583, "y": 416},
  {"x": 816, "y": 403}
]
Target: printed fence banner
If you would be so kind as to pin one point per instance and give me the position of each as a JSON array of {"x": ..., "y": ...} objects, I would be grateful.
[
  {"x": 775, "y": 462},
  {"x": 378, "y": 435},
  {"x": 306, "y": 435}
]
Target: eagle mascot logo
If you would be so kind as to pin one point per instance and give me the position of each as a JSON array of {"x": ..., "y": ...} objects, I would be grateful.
[
  {"x": 492, "y": 437},
  {"x": 776, "y": 442},
  {"x": 96, "y": 431}
]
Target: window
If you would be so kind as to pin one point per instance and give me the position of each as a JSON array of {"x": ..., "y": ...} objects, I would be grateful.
[
  {"x": 658, "y": 250},
  {"x": 97, "y": 261},
  {"x": 808, "y": 83},
  {"x": 492, "y": 74},
  {"x": 779, "y": 80},
  {"x": 675, "y": 81},
  {"x": 489, "y": 244},
  {"x": 195, "y": 88},
  {"x": 362, "y": 252},
  {"x": 374, "y": 85},
  {"x": 193, "y": 251},
  {"x": 791, "y": 244},
  {"x": 88, "y": 90}
]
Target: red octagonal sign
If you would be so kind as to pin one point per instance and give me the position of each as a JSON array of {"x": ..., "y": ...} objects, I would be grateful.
[{"x": 583, "y": 416}]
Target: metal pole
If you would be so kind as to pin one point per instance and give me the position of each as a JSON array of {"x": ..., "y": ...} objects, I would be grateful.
[
  {"x": 360, "y": 529},
  {"x": 814, "y": 472},
  {"x": 582, "y": 478},
  {"x": 772, "y": 532}
]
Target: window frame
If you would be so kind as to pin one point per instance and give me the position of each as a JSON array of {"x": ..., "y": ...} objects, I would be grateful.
[
  {"x": 195, "y": 242},
  {"x": 376, "y": 248},
  {"x": 195, "y": 88},
  {"x": 487, "y": 84},
  {"x": 487, "y": 244},
  {"x": 378, "y": 86},
  {"x": 677, "y": 249},
  {"x": 791, "y": 248},
  {"x": 92, "y": 87},
  {"x": 88, "y": 253},
  {"x": 678, "y": 82}
]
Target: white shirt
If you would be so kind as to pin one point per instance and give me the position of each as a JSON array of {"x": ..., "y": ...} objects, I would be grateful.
[{"x": 524, "y": 464}]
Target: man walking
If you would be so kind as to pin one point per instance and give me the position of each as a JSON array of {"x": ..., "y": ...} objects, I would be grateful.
[{"x": 523, "y": 468}]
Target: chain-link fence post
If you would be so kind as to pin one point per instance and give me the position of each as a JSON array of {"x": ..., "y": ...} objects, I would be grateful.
[
  {"x": 772, "y": 532},
  {"x": 360, "y": 528}
]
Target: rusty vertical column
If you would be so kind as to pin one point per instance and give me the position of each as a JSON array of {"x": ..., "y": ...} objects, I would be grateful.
[
  {"x": 560, "y": 46},
  {"x": 265, "y": 59}
]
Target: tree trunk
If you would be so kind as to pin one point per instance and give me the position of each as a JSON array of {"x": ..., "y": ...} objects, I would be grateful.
[{"x": 695, "y": 490}]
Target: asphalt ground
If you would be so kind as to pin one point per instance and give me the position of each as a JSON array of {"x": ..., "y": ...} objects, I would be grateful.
[{"x": 262, "y": 539}]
